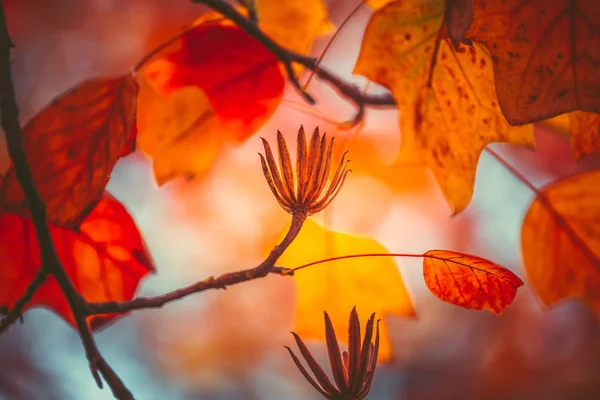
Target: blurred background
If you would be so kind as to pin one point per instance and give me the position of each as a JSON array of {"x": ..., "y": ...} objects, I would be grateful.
[{"x": 229, "y": 344}]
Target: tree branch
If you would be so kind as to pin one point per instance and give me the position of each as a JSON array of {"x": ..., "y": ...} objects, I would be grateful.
[
  {"x": 221, "y": 282},
  {"x": 17, "y": 308},
  {"x": 50, "y": 261},
  {"x": 288, "y": 57}
]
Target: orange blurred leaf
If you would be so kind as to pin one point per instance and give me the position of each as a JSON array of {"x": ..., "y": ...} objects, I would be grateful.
[
  {"x": 372, "y": 284},
  {"x": 546, "y": 55},
  {"x": 242, "y": 79},
  {"x": 560, "y": 240},
  {"x": 583, "y": 128},
  {"x": 585, "y": 132},
  {"x": 444, "y": 126},
  {"x": 180, "y": 132},
  {"x": 469, "y": 281},
  {"x": 72, "y": 146},
  {"x": 105, "y": 259}
]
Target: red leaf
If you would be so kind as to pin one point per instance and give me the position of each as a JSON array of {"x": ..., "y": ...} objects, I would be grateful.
[
  {"x": 130, "y": 144},
  {"x": 469, "y": 281},
  {"x": 72, "y": 146},
  {"x": 242, "y": 79},
  {"x": 105, "y": 260}
]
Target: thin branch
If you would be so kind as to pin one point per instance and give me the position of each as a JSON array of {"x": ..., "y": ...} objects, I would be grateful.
[
  {"x": 221, "y": 282},
  {"x": 288, "y": 57},
  {"x": 17, "y": 308},
  {"x": 50, "y": 261}
]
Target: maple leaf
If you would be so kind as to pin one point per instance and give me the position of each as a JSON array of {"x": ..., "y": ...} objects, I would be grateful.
[
  {"x": 372, "y": 284},
  {"x": 546, "y": 55},
  {"x": 72, "y": 146},
  {"x": 180, "y": 132},
  {"x": 242, "y": 79},
  {"x": 469, "y": 281},
  {"x": 560, "y": 240},
  {"x": 105, "y": 259},
  {"x": 447, "y": 124}
]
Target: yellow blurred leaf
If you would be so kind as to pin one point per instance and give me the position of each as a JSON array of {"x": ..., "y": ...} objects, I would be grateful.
[
  {"x": 295, "y": 24},
  {"x": 180, "y": 131},
  {"x": 370, "y": 284},
  {"x": 446, "y": 126},
  {"x": 560, "y": 241}
]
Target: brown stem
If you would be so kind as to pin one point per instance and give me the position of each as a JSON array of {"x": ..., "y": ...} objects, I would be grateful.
[
  {"x": 221, "y": 282},
  {"x": 50, "y": 261},
  {"x": 288, "y": 57}
]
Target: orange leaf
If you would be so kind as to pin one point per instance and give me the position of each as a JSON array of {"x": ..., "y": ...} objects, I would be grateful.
[
  {"x": 242, "y": 79},
  {"x": 546, "y": 55},
  {"x": 180, "y": 132},
  {"x": 445, "y": 126},
  {"x": 105, "y": 259},
  {"x": 72, "y": 146},
  {"x": 583, "y": 128},
  {"x": 469, "y": 281},
  {"x": 560, "y": 240},
  {"x": 585, "y": 132},
  {"x": 370, "y": 284}
]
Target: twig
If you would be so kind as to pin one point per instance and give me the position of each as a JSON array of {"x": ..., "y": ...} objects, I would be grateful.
[
  {"x": 288, "y": 57},
  {"x": 17, "y": 308},
  {"x": 50, "y": 261},
  {"x": 221, "y": 282}
]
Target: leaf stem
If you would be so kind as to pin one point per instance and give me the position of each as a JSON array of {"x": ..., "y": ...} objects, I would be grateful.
[
  {"x": 329, "y": 43},
  {"x": 153, "y": 53},
  {"x": 513, "y": 170},
  {"x": 364, "y": 255}
]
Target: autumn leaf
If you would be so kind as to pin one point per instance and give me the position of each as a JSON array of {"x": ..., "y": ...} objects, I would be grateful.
[
  {"x": 546, "y": 55},
  {"x": 105, "y": 259},
  {"x": 294, "y": 24},
  {"x": 585, "y": 132},
  {"x": 469, "y": 281},
  {"x": 560, "y": 240},
  {"x": 180, "y": 132},
  {"x": 459, "y": 16},
  {"x": 446, "y": 126},
  {"x": 559, "y": 123},
  {"x": 72, "y": 146},
  {"x": 242, "y": 79},
  {"x": 372, "y": 284},
  {"x": 582, "y": 127}
]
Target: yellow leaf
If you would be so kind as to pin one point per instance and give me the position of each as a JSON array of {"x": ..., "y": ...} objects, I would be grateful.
[
  {"x": 446, "y": 126},
  {"x": 178, "y": 131},
  {"x": 294, "y": 24},
  {"x": 377, "y": 4},
  {"x": 560, "y": 241},
  {"x": 372, "y": 284}
]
